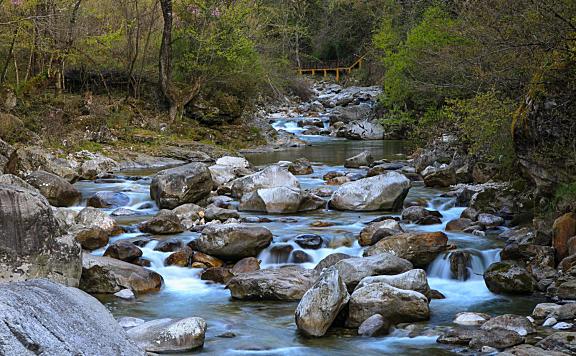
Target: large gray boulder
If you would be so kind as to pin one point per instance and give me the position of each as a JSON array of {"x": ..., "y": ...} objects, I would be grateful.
[
  {"x": 173, "y": 187},
  {"x": 93, "y": 218},
  {"x": 57, "y": 190},
  {"x": 232, "y": 241},
  {"x": 31, "y": 241},
  {"x": 287, "y": 283},
  {"x": 270, "y": 177},
  {"x": 277, "y": 200},
  {"x": 321, "y": 304},
  {"x": 94, "y": 165},
  {"x": 351, "y": 112},
  {"x": 170, "y": 336},
  {"x": 40, "y": 317},
  {"x": 107, "y": 276},
  {"x": 10, "y": 179},
  {"x": 353, "y": 270},
  {"x": 228, "y": 168},
  {"x": 362, "y": 130},
  {"x": 166, "y": 222},
  {"x": 418, "y": 248},
  {"x": 26, "y": 160},
  {"x": 383, "y": 192},
  {"x": 394, "y": 304}
]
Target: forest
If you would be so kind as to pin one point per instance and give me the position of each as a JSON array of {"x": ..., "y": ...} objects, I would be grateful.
[{"x": 288, "y": 176}]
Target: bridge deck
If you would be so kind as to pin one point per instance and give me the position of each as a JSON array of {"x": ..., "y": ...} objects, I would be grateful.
[{"x": 326, "y": 68}]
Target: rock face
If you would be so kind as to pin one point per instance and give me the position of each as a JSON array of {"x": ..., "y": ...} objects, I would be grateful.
[
  {"x": 42, "y": 317},
  {"x": 31, "y": 242},
  {"x": 394, "y": 304},
  {"x": 177, "y": 186},
  {"x": 107, "y": 275},
  {"x": 170, "y": 336},
  {"x": 418, "y": 248},
  {"x": 287, "y": 283},
  {"x": 383, "y": 192},
  {"x": 57, "y": 190},
  {"x": 353, "y": 270},
  {"x": 362, "y": 159},
  {"x": 233, "y": 241},
  {"x": 506, "y": 277},
  {"x": 270, "y": 177},
  {"x": 321, "y": 304}
]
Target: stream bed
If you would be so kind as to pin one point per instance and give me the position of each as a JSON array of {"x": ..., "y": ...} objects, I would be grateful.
[{"x": 268, "y": 328}]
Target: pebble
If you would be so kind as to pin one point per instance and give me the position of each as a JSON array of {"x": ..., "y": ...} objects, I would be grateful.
[
  {"x": 550, "y": 322},
  {"x": 129, "y": 322},
  {"x": 125, "y": 294},
  {"x": 488, "y": 350},
  {"x": 563, "y": 326}
]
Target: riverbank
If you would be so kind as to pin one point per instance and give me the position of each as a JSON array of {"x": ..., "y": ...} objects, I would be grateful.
[{"x": 246, "y": 243}]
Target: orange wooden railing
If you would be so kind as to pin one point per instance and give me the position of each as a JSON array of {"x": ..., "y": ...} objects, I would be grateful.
[{"x": 330, "y": 67}]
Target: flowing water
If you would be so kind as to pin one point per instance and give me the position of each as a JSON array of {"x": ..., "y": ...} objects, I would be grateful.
[{"x": 267, "y": 328}]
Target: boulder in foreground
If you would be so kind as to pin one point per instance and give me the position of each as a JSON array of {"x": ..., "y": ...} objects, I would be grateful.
[
  {"x": 42, "y": 317},
  {"x": 321, "y": 304},
  {"x": 31, "y": 240}
]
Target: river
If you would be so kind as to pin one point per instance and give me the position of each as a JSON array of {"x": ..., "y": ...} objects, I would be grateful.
[{"x": 268, "y": 328}]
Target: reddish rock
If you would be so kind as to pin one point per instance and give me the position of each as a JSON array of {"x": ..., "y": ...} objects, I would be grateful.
[{"x": 563, "y": 229}]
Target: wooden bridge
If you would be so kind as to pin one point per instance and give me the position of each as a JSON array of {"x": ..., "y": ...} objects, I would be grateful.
[{"x": 337, "y": 67}]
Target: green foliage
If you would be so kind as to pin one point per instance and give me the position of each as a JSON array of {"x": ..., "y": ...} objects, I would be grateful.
[
  {"x": 409, "y": 80},
  {"x": 484, "y": 123},
  {"x": 481, "y": 124},
  {"x": 213, "y": 45},
  {"x": 564, "y": 198},
  {"x": 398, "y": 124}
]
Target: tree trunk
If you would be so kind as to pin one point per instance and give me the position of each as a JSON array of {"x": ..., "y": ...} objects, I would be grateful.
[{"x": 165, "y": 62}]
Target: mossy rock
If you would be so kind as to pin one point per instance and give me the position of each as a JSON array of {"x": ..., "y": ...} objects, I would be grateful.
[{"x": 509, "y": 278}]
